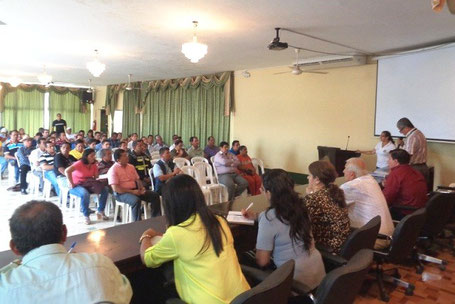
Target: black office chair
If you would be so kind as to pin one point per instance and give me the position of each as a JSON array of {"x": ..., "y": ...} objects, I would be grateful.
[
  {"x": 361, "y": 238},
  {"x": 274, "y": 288},
  {"x": 400, "y": 248},
  {"x": 438, "y": 213},
  {"x": 340, "y": 286}
]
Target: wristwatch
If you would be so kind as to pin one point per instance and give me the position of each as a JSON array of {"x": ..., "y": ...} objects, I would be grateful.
[{"x": 143, "y": 237}]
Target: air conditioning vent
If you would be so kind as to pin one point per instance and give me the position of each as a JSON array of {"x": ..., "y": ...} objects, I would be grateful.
[{"x": 331, "y": 62}]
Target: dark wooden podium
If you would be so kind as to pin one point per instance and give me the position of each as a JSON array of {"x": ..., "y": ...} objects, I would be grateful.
[{"x": 336, "y": 156}]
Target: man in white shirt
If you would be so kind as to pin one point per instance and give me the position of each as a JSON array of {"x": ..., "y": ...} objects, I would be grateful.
[
  {"x": 69, "y": 135},
  {"x": 34, "y": 160},
  {"x": 364, "y": 192},
  {"x": 48, "y": 273}
]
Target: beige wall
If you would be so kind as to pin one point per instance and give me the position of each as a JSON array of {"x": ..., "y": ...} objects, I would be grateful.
[{"x": 283, "y": 118}]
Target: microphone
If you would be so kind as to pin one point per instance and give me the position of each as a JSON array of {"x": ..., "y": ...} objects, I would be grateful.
[{"x": 347, "y": 142}]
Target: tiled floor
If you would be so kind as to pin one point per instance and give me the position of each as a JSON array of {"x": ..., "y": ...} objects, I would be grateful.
[{"x": 74, "y": 221}]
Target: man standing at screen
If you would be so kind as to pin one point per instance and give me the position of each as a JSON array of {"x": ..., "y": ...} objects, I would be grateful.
[{"x": 415, "y": 144}]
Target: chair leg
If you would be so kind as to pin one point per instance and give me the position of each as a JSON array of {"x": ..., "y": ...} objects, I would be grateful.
[
  {"x": 379, "y": 278},
  {"x": 398, "y": 282},
  {"x": 423, "y": 257}
]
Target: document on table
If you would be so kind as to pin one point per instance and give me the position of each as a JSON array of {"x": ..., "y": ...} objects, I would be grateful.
[{"x": 236, "y": 217}]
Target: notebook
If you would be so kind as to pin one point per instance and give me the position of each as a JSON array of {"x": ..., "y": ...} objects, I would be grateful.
[{"x": 236, "y": 217}]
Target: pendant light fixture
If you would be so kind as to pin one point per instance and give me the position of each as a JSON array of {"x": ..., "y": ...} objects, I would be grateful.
[
  {"x": 95, "y": 67},
  {"x": 194, "y": 50},
  {"x": 44, "y": 77},
  {"x": 89, "y": 90}
]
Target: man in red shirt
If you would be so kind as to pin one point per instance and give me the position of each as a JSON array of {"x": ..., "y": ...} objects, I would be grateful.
[{"x": 404, "y": 186}]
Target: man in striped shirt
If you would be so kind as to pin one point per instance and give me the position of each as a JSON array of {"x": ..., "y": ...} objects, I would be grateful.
[
  {"x": 46, "y": 162},
  {"x": 415, "y": 144}
]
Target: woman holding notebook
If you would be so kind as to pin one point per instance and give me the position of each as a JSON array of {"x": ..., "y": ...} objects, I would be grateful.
[{"x": 285, "y": 231}]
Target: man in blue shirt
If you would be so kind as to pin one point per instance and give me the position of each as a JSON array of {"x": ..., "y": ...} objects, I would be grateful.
[
  {"x": 10, "y": 152},
  {"x": 235, "y": 147}
]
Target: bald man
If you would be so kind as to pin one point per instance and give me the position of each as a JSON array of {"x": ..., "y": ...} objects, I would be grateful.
[{"x": 364, "y": 192}]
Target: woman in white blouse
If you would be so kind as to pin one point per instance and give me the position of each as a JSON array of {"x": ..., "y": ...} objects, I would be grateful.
[{"x": 382, "y": 150}]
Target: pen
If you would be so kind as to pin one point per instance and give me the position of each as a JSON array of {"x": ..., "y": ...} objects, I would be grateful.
[
  {"x": 249, "y": 206},
  {"x": 72, "y": 247}
]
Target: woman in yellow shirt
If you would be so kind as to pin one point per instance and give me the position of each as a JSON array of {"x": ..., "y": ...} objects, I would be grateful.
[{"x": 206, "y": 267}]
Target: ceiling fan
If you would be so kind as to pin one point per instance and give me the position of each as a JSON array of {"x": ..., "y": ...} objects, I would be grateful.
[
  {"x": 130, "y": 86},
  {"x": 296, "y": 67}
]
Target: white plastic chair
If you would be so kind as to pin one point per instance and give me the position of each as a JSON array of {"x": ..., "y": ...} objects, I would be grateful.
[
  {"x": 11, "y": 175},
  {"x": 127, "y": 212},
  {"x": 198, "y": 159},
  {"x": 258, "y": 163},
  {"x": 203, "y": 173},
  {"x": 188, "y": 170},
  {"x": 180, "y": 162},
  {"x": 212, "y": 159}
]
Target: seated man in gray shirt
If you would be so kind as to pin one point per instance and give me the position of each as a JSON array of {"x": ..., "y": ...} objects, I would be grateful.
[{"x": 226, "y": 166}]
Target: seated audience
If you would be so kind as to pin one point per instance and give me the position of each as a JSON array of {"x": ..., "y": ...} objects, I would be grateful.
[
  {"x": 179, "y": 150},
  {"x": 404, "y": 186},
  {"x": 362, "y": 190},
  {"x": 326, "y": 206},
  {"x": 115, "y": 142},
  {"x": 82, "y": 180},
  {"x": 248, "y": 172},
  {"x": 382, "y": 150},
  {"x": 91, "y": 144},
  {"x": 128, "y": 187},
  {"x": 23, "y": 156},
  {"x": 195, "y": 149},
  {"x": 164, "y": 169},
  {"x": 211, "y": 149},
  {"x": 106, "y": 161},
  {"x": 45, "y": 133},
  {"x": 149, "y": 144},
  {"x": 106, "y": 144},
  {"x": 62, "y": 161},
  {"x": 102, "y": 143},
  {"x": 158, "y": 143},
  {"x": 200, "y": 244},
  {"x": 133, "y": 138},
  {"x": 69, "y": 134},
  {"x": 285, "y": 231},
  {"x": 61, "y": 139},
  {"x": 124, "y": 145},
  {"x": 46, "y": 162},
  {"x": 47, "y": 272},
  {"x": 175, "y": 137},
  {"x": 34, "y": 160},
  {"x": 235, "y": 147},
  {"x": 141, "y": 162},
  {"x": 89, "y": 135},
  {"x": 76, "y": 153},
  {"x": 9, "y": 151},
  {"x": 226, "y": 165}
]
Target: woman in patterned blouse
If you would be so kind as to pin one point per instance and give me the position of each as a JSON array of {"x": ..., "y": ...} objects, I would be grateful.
[{"x": 326, "y": 206}]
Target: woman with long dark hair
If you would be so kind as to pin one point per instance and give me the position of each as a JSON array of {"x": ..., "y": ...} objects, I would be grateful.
[
  {"x": 206, "y": 267},
  {"x": 82, "y": 180},
  {"x": 285, "y": 231},
  {"x": 326, "y": 206},
  {"x": 382, "y": 149}
]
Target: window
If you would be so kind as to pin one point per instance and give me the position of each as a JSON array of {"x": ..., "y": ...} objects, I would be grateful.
[{"x": 118, "y": 116}]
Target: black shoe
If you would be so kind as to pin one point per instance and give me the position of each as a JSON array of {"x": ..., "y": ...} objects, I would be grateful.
[
  {"x": 90, "y": 211},
  {"x": 24, "y": 192}
]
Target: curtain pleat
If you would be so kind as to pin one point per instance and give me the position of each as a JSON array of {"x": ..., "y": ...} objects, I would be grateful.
[{"x": 24, "y": 109}]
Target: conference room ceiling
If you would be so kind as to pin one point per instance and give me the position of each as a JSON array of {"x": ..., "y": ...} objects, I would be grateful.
[{"x": 144, "y": 38}]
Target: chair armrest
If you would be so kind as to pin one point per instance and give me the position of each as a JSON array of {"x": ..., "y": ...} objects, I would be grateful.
[
  {"x": 333, "y": 259},
  {"x": 300, "y": 288},
  {"x": 384, "y": 237},
  {"x": 256, "y": 274},
  {"x": 324, "y": 248}
]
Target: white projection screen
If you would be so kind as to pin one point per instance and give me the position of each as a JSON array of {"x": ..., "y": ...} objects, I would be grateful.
[{"x": 421, "y": 87}]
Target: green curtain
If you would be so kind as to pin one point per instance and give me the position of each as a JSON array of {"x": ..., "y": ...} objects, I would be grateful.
[
  {"x": 74, "y": 112},
  {"x": 130, "y": 119},
  {"x": 24, "y": 109},
  {"x": 187, "y": 111}
]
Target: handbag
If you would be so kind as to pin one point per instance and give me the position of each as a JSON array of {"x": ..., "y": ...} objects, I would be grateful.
[{"x": 93, "y": 185}]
